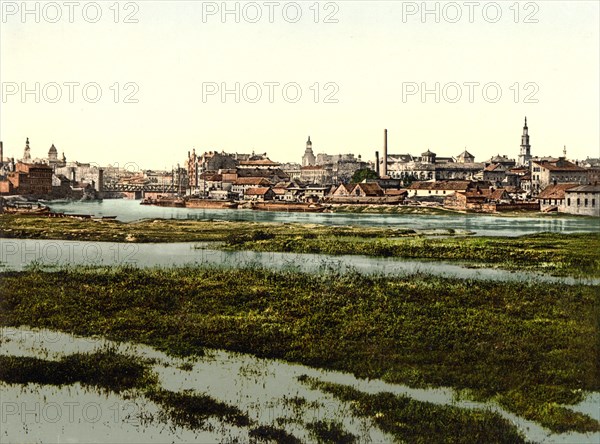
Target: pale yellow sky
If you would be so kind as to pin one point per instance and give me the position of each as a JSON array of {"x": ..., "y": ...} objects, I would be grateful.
[{"x": 368, "y": 62}]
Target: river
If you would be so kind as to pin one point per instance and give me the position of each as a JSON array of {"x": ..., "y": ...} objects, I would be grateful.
[
  {"x": 481, "y": 224},
  {"x": 17, "y": 254}
]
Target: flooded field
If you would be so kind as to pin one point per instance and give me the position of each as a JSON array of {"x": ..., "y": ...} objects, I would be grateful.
[
  {"x": 270, "y": 392},
  {"x": 17, "y": 254}
]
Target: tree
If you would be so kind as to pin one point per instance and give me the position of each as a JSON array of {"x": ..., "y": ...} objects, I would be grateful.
[{"x": 362, "y": 174}]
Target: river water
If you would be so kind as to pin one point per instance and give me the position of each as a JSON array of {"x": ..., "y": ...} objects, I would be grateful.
[
  {"x": 265, "y": 389},
  {"x": 17, "y": 254},
  {"x": 484, "y": 225}
]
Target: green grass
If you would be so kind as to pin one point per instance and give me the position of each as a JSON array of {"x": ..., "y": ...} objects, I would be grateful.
[
  {"x": 559, "y": 254},
  {"x": 105, "y": 370},
  {"x": 422, "y": 422},
  {"x": 330, "y": 432},
  {"x": 530, "y": 346},
  {"x": 269, "y": 433}
]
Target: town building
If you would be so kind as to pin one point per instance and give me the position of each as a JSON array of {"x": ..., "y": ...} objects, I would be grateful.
[
  {"x": 31, "y": 179},
  {"x": 546, "y": 172},
  {"x": 316, "y": 174},
  {"x": 552, "y": 198},
  {"x": 583, "y": 200},
  {"x": 477, "y": 199},
  {"x": 242, "y": 184},
  {"x": 429, "y": 166},
  {"x": 438, "y": 188},
  {"x": 260, "y": 194}
]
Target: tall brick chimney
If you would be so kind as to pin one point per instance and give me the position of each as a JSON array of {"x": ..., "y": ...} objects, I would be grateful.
[
  {"x": 1, "y": 153},
  {"x": 384, "y": 171},
  {"x": 377, "y": 162}
]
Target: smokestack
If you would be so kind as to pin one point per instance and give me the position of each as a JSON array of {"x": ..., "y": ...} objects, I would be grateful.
[
  {"x": 1, "y": 153},
  {"x": 385, "y": 154},
  {"x": 377, "y": 162}
]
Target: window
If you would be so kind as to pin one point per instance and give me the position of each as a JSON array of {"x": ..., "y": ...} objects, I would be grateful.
[
  {"x": 585, "y": 202},
  {"x": 593, "y": 202},
  {"x": 569, "y": 202},
  {"x": 578, "y": 201}
]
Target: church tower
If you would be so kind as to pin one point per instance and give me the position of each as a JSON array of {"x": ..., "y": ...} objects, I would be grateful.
[
  {"x": 52, "y": 155},
  {"x": 525, "y": 153},
  {"x": 309, "y": 157},
  {"x": 27, "y": 152}
]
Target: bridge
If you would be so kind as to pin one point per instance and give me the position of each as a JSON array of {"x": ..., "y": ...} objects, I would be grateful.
[{"x": 140, "y": 191}]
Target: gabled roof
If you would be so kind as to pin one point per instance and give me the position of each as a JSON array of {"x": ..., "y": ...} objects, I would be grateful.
[
  {"x": 251, "y": 181},
  {"x": 556, "y": 191},
  {"x": 560, "y": 165},
  {"x": 391, "y": 192},
  {"x": 257, "y": 191},
  {"x": 495, "y": 167},
  {"x": 585, "y": 189},
  {"x": 370, "y": 189}
]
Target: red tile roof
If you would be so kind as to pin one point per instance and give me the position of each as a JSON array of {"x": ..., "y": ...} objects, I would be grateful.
[
  {"x": 251, "y": 181},
  {"x": 556, "y": 191},
  {"x": 370, "y": 189},
  {"x": 560, "y": 165},
  {"x": 257, "y": 191}
]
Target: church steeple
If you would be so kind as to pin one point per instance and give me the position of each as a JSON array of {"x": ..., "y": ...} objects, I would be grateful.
[
  {"x": 309, "y": 157},
  {"x": 27, "y": 152},
  {"x": 525, "y": 152}
]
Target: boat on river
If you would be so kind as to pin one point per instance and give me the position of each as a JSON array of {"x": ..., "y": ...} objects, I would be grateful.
[
  {"x": 176, "y": 202},
  {"x": 298, "y": 207},
  {"x": 26, "y": 208},
  {"x": 210, "y": 203}
]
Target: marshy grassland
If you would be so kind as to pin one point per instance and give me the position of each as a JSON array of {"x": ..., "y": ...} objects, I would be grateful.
[
  {"x": 532, "y": 347},
  {"x": 110, "y": 371},
  {"x": 558, "y": 254},
  {"x": 417, "y": 421}
]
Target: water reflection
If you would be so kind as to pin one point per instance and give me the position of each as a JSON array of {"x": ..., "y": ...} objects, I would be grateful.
[
  {"x": 130, "y": 210},
  {"x": 264, "y": 388},
  {"x": 16, "y": 254}
]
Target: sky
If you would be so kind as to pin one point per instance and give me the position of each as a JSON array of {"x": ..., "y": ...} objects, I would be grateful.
[{"x": 144, "y": 82}]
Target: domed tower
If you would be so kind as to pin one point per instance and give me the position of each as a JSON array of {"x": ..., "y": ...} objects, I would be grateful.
[
  {"x": 309, "y": 157},
  {"x": 52, "y": 155},
  {"x": 428, "y": 157},
  {"x": 525, "y": 152},
  {"x": 27, "y": 152}
]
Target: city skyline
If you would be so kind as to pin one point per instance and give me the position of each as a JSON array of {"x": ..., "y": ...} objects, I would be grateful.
[
  {"x": 391, "y": 151},
  {"x": 386, "y": 65}
]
